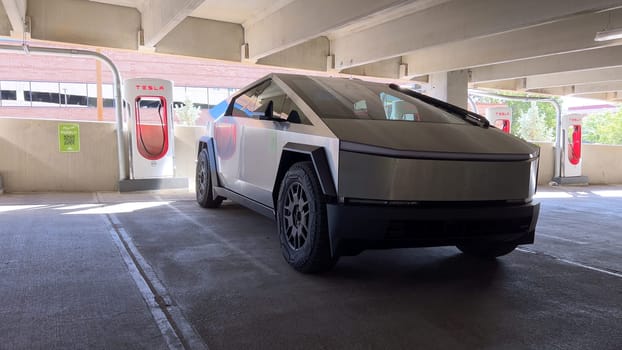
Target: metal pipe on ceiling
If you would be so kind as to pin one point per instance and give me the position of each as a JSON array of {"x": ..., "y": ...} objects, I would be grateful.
[{"x": 117, "y": 87}]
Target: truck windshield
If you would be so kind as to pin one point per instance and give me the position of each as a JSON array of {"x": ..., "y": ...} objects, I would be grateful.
[{"x": 334, "y": 98}]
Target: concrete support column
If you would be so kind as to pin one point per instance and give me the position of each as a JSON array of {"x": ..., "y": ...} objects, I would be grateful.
[{"x": 451, "y": 87}]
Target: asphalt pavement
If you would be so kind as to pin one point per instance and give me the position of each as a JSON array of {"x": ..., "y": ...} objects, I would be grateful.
[{"x": 156, "y": 271}]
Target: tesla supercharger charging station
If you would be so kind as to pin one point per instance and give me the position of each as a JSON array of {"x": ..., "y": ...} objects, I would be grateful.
[
  {"x": 569, "y": 156},
  {"x": 148, "y": 103},
  {"x": 501, "y": 117}
]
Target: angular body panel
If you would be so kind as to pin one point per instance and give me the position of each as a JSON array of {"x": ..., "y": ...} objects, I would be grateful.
[
  {"x": 248, "y": 153},
  {"x": 433, "y": 137},
  {"x": 403, "y": 169},
  {"x": 375, "y": 177}
]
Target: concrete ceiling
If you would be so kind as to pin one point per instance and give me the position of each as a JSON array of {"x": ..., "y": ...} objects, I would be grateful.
[{"x": 529, "y": 45}]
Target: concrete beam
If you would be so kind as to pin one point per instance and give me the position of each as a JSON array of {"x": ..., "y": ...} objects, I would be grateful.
[
  {"x": 583, "y": 89},
  {"x": 611, "y": 86},
  {"x": 452, "y": 22},
  {"x": 308, "y": 55},
  {"x": 574, "y": 34},
  {"x": 160, "y": 17},
  {"x": 605, "y": 96},
  {"x": 84, "y": 22},
  {"x": 389, "y": 68},
  {"x": 573, "y": 61},
  {"x": 511, "y": 84},
  {"x": 556, "y": 91},
  {"x": 616, "y": 96},
  {"x": 303, "y": 20},
  {"x": 5, "y": 23},
  {"x": 16, "y": 12},
  {"x": 204, "y": 38},
  {"x": 573, "y": 78}
]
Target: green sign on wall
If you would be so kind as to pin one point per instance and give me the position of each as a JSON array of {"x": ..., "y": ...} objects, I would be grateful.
[{"x": 69, "y": 137}]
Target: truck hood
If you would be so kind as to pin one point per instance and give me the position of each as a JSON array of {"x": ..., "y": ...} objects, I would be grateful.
[{"x": 429, "y": 140}]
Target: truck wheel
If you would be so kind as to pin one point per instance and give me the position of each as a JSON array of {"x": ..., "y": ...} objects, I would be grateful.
[
  {"x": 487, "y": 250},
  {"x": 302, "y": 221},
  {"x": 204, "y": 190}
]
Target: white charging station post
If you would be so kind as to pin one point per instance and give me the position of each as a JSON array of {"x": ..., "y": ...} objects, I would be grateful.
[
  {"x": 569, "y": 157},
  {"x": 500, "y": 117},
  {"x": 148, "y": 106}
]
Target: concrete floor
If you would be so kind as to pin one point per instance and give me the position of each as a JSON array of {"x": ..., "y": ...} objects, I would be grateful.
[{"x": 155, "y": 271}]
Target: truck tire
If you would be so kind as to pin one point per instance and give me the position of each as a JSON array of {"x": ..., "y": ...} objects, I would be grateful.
[
  {"x": 204, "y": 189},
  {"x": 302, "y": 221}
]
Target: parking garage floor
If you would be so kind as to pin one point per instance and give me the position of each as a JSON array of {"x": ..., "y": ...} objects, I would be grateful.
[{"x": 156, "y": 271}]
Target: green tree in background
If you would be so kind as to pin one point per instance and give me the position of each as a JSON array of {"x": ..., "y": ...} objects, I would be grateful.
[
  {"x": 188, "y": 113},
  {"x": 605, "y": 128},
  {"x": 547, "y": 113},
  {"x": 532, "y": 125}
]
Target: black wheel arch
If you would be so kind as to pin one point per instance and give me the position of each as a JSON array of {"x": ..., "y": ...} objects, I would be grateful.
[
  {"x": 293, "y": 153},
  {"x": 206, "y": 142}
]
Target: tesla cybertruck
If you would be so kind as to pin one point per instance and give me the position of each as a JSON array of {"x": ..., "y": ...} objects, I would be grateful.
[{"x": 345, "y": 165}]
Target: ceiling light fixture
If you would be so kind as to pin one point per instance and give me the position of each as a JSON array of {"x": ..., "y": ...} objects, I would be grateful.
[{"x": 608, "y": 35}]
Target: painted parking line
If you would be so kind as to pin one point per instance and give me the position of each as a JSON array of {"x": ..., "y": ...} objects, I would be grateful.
[
  {"x": 562, "y": 239},
  {"x": 570, "y": 262},
  {"x": 176, "y": 330},
  {"x": 612, "y": 273}
]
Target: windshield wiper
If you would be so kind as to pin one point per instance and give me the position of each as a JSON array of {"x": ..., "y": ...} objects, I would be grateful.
[{"x": 468, "y": 116}]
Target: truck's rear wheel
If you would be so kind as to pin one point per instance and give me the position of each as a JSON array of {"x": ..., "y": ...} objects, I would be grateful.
[{"x": 203, "y": 189}]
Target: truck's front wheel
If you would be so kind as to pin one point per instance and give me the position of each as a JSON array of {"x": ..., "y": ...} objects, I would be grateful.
[{"x": 302, "y": 221}]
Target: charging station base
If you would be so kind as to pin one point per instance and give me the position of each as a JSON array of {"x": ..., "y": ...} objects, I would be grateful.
[
  {"x": 571, "y": 180},
  {"x": 153, "y": 184}
]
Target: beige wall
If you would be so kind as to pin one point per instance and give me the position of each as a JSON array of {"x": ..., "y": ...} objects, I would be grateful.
[
  {"x": 186, "y": 141},
  {"x": 30, "y": 160},
  {"x": 547, "y": 158},
  {"x": 602, "y": 164}
]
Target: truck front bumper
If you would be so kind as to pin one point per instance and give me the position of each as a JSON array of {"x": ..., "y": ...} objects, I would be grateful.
[{"x": 356, "y": 227}]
